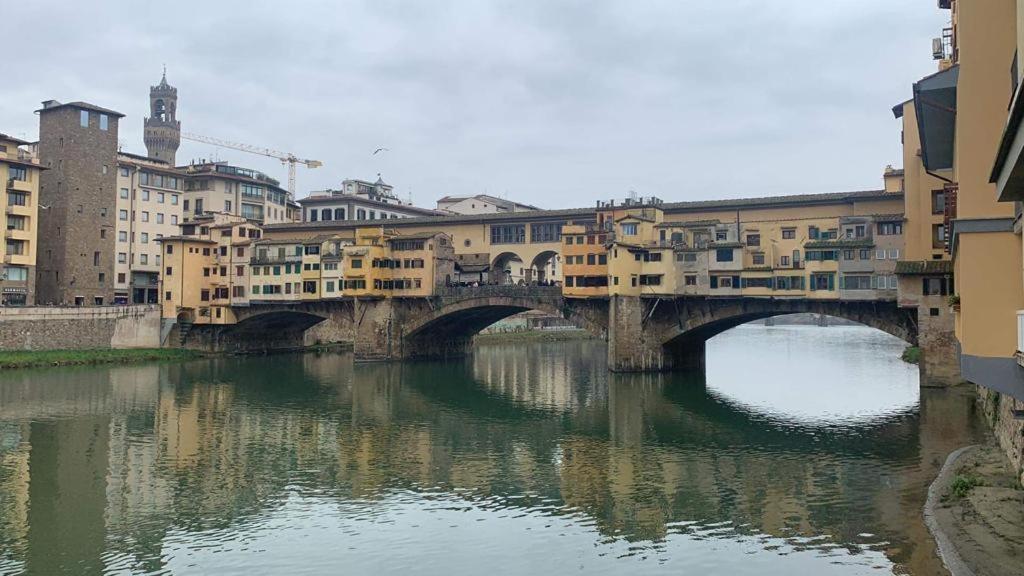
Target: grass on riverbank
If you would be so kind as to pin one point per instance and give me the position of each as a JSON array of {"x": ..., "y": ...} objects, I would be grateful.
[
  {"x": 912, "y": 355},
  {"x": 534, "y": 336},
  {"x": 34, "y": 358}
]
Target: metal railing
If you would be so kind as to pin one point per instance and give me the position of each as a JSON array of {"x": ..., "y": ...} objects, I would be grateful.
[{"x": 1020, "y": 331}]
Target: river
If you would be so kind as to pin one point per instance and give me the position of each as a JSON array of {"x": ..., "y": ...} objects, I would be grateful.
[{"x": 802, "y": 450}]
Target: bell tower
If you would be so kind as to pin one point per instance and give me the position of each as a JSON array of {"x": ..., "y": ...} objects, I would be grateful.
[{"x": 162, "y": 130}]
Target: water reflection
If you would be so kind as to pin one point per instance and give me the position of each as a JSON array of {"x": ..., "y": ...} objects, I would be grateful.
[{"x": 524, "y": 457}]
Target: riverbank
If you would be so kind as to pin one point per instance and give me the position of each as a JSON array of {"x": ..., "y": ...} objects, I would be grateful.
[
  {"x": 975, "y": 511},
  {"x": 534, "y": 336},
  {"x": 11, "y": 359}
]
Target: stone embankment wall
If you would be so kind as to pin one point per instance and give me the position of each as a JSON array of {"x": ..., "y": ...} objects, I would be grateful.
[
  {"x": 999, "y": 411},
  {"x": 56, "y": 328}
]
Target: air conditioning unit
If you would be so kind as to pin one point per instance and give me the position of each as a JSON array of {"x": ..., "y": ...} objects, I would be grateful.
[{"x": 938, "y": 52}]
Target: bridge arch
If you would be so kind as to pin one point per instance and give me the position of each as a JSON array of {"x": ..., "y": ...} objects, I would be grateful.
[
  {"x": 544, "y": 266},
  {"x": 684, "y": 341},
  {"x": 447, "y": 330},
  {"x": 508, "y": 268}
]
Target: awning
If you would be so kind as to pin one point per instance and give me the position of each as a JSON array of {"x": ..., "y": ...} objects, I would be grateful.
[
  {"x": 935, "y": 106},
  {"x": 472, "y": 268}
]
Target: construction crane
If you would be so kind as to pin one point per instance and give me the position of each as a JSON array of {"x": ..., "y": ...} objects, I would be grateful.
[{"x": 285, "y": 157}]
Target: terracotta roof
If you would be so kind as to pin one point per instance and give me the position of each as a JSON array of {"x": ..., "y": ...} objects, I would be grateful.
[
  {"x": 10, "y": 138},
  {"x": 186, "y": 238},
  {"x": 924, "y": 267}
]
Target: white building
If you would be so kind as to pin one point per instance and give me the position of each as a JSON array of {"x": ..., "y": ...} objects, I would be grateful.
[
  {"x": 480, "y": 204},
  {"x": 359, "y": 200}
]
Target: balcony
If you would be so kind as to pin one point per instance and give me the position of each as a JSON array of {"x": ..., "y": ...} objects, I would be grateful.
[
  {"x": 19, "y": 185},
  {"x": 949, "y": 213}
]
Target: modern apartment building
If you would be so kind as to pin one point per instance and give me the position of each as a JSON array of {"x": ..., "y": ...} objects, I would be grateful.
[
  {"x": 359, "y": 200},
  {"x": 20, "y": 175},
  {"x": 149, "y": 207},
  {"x": 212, "y": 187},
  {"x": 77, "y": 200}
]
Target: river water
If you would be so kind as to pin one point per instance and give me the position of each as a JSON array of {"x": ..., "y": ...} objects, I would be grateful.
[{"x": 803, "y": 450}]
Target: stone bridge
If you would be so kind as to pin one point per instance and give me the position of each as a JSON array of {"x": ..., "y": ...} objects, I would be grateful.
[{"x": 643, "y": 334}]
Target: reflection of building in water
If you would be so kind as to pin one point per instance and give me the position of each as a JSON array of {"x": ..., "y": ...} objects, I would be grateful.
[{"x": 539, "y": 376}]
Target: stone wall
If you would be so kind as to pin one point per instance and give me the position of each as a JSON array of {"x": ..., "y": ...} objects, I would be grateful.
[
  {"x": 1009, "y": 431},
  {"x": 55, "y": 328}
]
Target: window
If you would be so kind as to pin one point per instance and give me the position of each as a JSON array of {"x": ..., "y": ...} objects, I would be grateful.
[
  {"x": 894, "y": 253},
  {"x": 15, "y": 222},
  {"x": 17, "y": 198},
  {"x": 329, "y": 286},
  {"x": 880, "y": 254},
  {"x": 174, "y": 199},
  {"x": 145, "y": 195},
  {"x": 938, "y": 236},
  {"x": 95, "y": 258},
  {"x": 788, "y": 233},
  {"x": 848, "y": 255},
  {"x": 83, "y": 118},
  {"x": 545, "y": 232},
  {"x": 629, "y": 229},
  {"x": 813, "y": 233},
  {"x": 823, "y": 281},
  {"x": 721, "y": 236},
  {"x": 104, "y": 122},
  {"x": 159, "y": 217},
  {"x": 252, "y": 191},
  {"x": 890, "y": 228},
  {"x": 16, "y": 273},
  {"x": 143, "y": 258},
  {"x": 784, "y": 260},
  {"x": 508, "y": 234},
  {"x": 686, "y": 256},
  {"x": 170, "y": 248},
  {"x": 124, "y": 193},
  {"x": 145, "y": 237},
  {"x": 17, "y": 173},
  {"x": 356, "y": 263},
  {"x": 145, "y": 216},
  {"x": 227, "y": 206},
  {"x": 856, "y": 282},
  {"x": 690, "y": 280},
  {"x": 859, "y": 231},
  {"x": 723, "y": 255},
  {"x": 339, "y": 214},
  {"x": 758, "y": 258},
  {"x": 753, "y": 239},
  {"x": 756, "y": 282},
  {"x": 935, "y": 286},
  {"x": 168, "y": 271},
  {"x": 650, "y": 279},
  {"x": 174, "y": 218},
  {"x": 122, "y": 258},
  {"x": 865, "y": 254},
  {"x": 938, "y": 201}
]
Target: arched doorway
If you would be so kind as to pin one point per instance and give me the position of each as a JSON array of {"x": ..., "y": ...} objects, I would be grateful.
[
  {"x": 508, "y": 268},
  {"x": 545, "y": 268}
]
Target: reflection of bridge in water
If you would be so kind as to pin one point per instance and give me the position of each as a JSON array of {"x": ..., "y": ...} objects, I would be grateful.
[
  {"x": 142, "y": 451},
  {"x": 643, "y": 333}
]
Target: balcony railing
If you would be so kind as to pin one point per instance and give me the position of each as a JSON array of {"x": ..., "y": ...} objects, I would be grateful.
[{"x": 949, "y": 213}]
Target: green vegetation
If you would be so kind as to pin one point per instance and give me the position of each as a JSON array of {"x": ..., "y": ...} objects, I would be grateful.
[
  {"x": 912, "y": 355},
  {"x": 30, "y": 358},
  {"x": 954, "y": 300},
  {"x": 963, "y": 484}
]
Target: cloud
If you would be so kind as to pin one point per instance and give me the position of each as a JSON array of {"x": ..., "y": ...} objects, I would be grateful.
[{"x": 555, "y": 103}]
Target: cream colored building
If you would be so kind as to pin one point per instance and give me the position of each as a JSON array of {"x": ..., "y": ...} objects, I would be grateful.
[
  {"x": 218, "y": 187},
  {"x": 19, "y": 174},
  {"x": 150, "y": 198}
]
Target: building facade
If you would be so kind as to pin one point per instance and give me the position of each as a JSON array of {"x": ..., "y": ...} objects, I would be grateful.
[
  {"x": 149, "y": 207},
  {"x": 480, "y": 204},
  {"x": 77, "y": 243},
  {"x": 219, "y": 187},
  {"x": 20, "y": 174},
  {"x": 359, "y": 200}
]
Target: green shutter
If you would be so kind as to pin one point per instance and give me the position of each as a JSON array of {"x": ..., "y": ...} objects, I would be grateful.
[{"x": 831, "y": 282}]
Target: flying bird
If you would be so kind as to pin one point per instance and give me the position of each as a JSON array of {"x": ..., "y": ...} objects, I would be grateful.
[{"x": 380, "y": 150}]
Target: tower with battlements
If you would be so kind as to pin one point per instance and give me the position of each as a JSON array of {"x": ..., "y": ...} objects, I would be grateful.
[{"x": 162, "y": 130}]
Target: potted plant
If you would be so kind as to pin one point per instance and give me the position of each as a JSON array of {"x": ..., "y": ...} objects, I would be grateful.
[{"x": 954, "y": 302}]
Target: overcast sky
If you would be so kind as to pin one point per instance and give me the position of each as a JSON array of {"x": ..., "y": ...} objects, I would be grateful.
[{"x": 554, "y": 103}]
